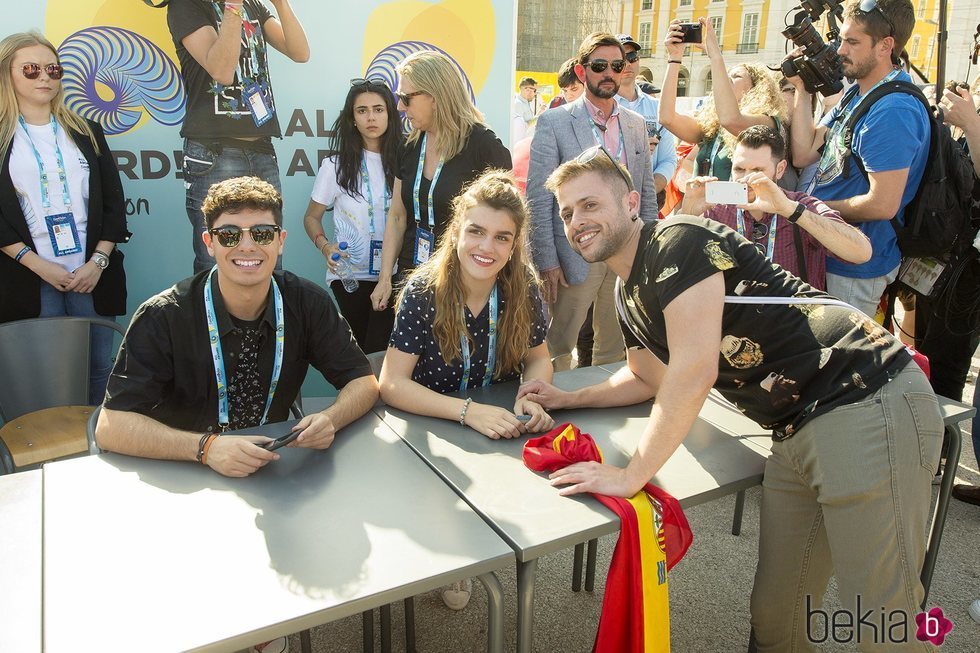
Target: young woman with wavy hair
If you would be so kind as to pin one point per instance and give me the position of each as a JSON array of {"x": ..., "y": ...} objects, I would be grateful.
[
  {"x": 62, "y": 209},
  {"x": 742, "y": 96}
]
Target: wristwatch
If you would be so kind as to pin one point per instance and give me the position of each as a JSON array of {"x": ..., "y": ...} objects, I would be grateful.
[
  {"x": 100, "y": 259},
  {"x": 797, "y": 212}
]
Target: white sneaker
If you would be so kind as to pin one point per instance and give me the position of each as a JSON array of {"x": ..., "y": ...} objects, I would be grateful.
[
  {"x": 280, "y": 645},
  {"x": 457, "y": 595}
]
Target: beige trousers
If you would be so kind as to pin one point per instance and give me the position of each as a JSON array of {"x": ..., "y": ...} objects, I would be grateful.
[{"x": 569, "y": 312}]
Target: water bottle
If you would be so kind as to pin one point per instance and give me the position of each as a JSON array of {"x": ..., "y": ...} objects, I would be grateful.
[{"x": 344, "y": 270}]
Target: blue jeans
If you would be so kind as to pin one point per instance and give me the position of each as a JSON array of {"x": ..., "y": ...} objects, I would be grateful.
[
  {"x": 204, "y": 166},
  {"x": 55, "y": 303}
]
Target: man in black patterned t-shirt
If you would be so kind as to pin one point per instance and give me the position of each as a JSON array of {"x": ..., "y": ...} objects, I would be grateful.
[{"x": 856, "y": 426}]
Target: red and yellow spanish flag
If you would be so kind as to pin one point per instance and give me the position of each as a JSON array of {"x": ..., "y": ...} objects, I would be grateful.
[{"x": 654, "y": 536}]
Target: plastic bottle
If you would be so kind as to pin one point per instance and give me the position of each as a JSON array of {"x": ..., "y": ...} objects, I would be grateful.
[{"x": 344, "y": 270}]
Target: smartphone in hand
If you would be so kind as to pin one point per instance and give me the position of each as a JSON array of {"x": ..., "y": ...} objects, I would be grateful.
[{"x": 726, "y": 192}]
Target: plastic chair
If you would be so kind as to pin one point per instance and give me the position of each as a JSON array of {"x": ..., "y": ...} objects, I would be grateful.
[{"x": 44, "y": 402}]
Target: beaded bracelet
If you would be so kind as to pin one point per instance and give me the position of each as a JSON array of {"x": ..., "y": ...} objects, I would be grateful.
[{"x": 462, "y": 413}]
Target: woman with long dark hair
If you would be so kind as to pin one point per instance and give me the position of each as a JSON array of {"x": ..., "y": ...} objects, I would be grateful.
[
  {"x": 62, "y": 209},
  {"x": 355, "y": 184}
]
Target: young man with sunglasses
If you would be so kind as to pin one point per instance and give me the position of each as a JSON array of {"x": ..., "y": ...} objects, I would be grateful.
[
  {"x": 789, "y": 227},
  {"x": 244, "y": 328},
  {"x": 662, "y": 142},
  {"x": 571, "y": 284},
  {"x": 231, "y": 116},
  {"x": 891, "y": 140},
  {"x": 856, "y": 427}
]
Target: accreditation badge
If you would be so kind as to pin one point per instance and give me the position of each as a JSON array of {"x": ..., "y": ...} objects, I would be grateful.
[
  {"x": 374, "y": 262},
  {"x": 63, "y": 234},
  {"x": 255, "y": 96},
  {"x": 424, "y": 244}
]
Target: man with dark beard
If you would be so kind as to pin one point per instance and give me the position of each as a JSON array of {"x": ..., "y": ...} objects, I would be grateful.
[{"x": 571, "y": 284}]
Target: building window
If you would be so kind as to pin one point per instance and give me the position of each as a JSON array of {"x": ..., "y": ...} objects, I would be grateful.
[
  {"x": 684, "y": 3},
  {"x": 644, "y": 39},
  {"x": 914, "y": 52},
  {"x": 921, "y": 13},
  {"x": 646, "y": 4},
  {"x": 750, "y": 35},
  {"x": 707, "y": 83},
  {"x": 716, "y": 24}
]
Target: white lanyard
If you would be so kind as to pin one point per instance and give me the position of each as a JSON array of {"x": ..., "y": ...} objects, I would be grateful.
[
  {"x": 366, "y": 183},
  {"x": 740, "y": 224},
  {"x": 491, "y": 352},
  {"x": 219, "y": 362},
  {"x": 430, "y": 218},
  {"x": 62, "y": 173}
]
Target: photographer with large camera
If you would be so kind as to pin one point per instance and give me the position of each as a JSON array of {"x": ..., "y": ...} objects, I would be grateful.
[{"x": 891, "y": 142}]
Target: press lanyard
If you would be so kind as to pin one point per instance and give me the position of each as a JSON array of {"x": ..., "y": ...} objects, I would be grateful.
[
  {"x": 430, "y": 218},
  {"x": 601, "y": 143},
  {"x": 248, "y": 30},
  {"x": 771, "y": 247},
  {"x": 366, "y": 183},
  {"x": 62, "y": 174},
  {"x": 464, "y": 344},
  {"x": 219, "y": 361},
  {"x": 714, "y": 153}
]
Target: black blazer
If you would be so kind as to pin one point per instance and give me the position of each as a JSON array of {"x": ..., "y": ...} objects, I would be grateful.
[{"x": 20, "y": 289}]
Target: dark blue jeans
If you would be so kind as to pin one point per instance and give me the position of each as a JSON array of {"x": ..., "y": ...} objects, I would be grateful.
[
  {"x": 55, "y": 303},
  {"x": 204, "y": 166}
]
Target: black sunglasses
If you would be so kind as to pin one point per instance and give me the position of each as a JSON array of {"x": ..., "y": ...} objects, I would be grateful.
[
  {"x": 632, "y": 57},
  {"x": 230, "y": 235},
  {"x": 374, "y": 81},
  {"x": 406, "y": 98},
  {"x": 591, "y": 153},
  {"x": 867, "y": 6},
  {"x": 600, "y": 65},
  {"x": 33, "y": 70}
]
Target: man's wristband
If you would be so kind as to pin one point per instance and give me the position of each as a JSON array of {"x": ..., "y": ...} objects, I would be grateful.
[
  {"x": 797, "y": 212},
  {"x": 21, "y": 254},
  {"x": 462, "y": 413},
  {"x": 203, "y": 445},
  {"x": 677, "y": 61}
]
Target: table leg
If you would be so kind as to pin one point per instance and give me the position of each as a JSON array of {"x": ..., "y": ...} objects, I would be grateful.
[
  {"x": 525, "y": 605},
  {"x": 577, "y": 567},
  {"x": 410, "y": 624},
  {"x": 367, "y": 631},
  {"x": 739, "y": 507},
  {"x": 386, "y": 628},
  {"x": 954, "y": 438},
  {"x": 495, "y": 612},
  {"x": 590, "y": 565},
  {"x": 304, "y": 642}
]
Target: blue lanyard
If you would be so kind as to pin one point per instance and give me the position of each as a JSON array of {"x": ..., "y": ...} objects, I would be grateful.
[
  {"x": 430, "y": 218},
  {"x": 771, "y": 247},
  {"x": 250, "y": 41},
  {"x": 62, "y": 174},
  {"x": 601, "y": 143},
  {"x": 219, "y": 361},
  {"x": 366, "y": 183},
  {"x": 464, "y": 344}
]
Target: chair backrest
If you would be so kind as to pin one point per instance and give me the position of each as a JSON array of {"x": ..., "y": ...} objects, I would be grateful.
[
  {"x": 376, "y": 359},
  {"x": 44, "y": 363}
]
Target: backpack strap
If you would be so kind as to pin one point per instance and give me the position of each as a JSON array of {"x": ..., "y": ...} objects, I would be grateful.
[{"x": 800, "y": 258}]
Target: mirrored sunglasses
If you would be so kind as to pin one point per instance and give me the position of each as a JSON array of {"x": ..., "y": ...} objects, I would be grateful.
[
  {"x": 600, "y": 65},
  {"x": 33, "y": 70},
  {"x": 230, "y": 235}
]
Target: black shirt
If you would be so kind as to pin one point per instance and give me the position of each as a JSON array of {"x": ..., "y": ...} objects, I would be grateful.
[
  {"x": 164, "y": 369},
  {"x": 482, "y": 150},
  {"x": 413, "y": 334},
  {"x": 215, "y": 111},
  {"x": 779, "y": 364}
]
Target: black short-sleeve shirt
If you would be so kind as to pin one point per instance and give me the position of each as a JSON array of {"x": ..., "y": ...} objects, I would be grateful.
[
  {"x": 413, "y": 334},
  {"x": 482, "y": 150},
  {"x": 215, "y": 111},
  {"x": 780, "y": 364},
  {"x": 165, "y": 371}
]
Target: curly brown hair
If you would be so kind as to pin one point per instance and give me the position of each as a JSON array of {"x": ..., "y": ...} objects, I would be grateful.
[{"x": 233, "y": 195}]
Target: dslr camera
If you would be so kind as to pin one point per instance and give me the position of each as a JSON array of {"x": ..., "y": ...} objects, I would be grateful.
[{"x": 819, "y": 65}]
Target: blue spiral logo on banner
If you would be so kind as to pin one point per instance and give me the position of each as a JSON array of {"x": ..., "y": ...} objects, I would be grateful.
[
  {"x": 113, "y": 76},
  {"x": 384, "y": 63}
]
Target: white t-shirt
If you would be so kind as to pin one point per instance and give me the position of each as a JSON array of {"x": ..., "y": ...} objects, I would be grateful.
[
  {"x": 27, "y": 182},
  {"x": 351, "y": 218}
]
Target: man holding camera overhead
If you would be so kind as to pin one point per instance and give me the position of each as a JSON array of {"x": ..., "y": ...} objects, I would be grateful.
[
  {"x": 571, "y": 284},
  {"x": 891, "y": 140}
]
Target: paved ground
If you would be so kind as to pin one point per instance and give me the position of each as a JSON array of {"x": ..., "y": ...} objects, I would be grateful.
[{"x": 709, "y": 590}]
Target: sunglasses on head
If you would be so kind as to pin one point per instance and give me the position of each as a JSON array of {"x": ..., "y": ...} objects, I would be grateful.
[
  {"x": 230, "y": 235},
  {"x": 600, "y": 65},
  {"x": 632, "y": 57},
  {"x": 867, "y": 6},
  {"x": 374, "y": 81},
  {"x": 591, "y": 153},
  {"x": 33, "y": 70},
  {"x": 406, "y": 98}
]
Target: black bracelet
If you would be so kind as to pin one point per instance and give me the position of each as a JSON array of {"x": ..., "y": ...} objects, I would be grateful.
[
  {"x": 200, "y": 446},
  {"x": 678, "y": 61},
  {"x": 797, "y": 212}
]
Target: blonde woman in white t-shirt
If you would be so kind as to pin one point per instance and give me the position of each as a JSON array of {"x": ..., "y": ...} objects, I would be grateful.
[
  {"x": 62, "y": 209},
  {"x": 354, "y": 184}
]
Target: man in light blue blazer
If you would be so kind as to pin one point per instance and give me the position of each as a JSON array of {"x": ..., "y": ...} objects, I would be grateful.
[{"x": 571, "y": 284}]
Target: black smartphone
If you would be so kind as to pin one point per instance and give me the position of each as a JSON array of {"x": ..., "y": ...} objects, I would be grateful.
[
  {"x": 692, "y": 32},
  {"x": 281, "y": 441}
]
